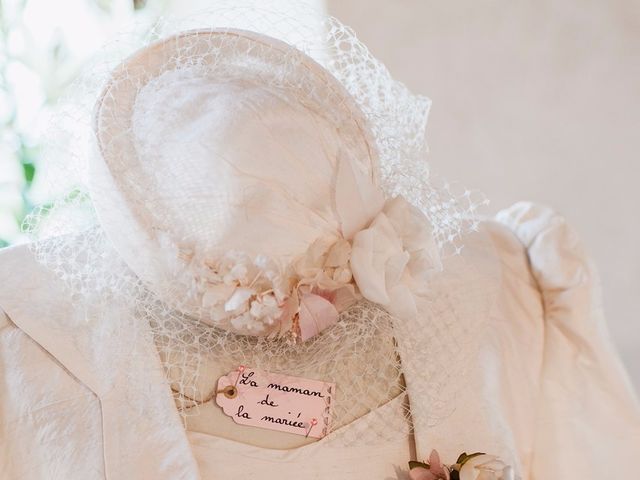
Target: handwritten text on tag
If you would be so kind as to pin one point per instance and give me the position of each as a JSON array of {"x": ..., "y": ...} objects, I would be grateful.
[{"x": 277, "y": 402}]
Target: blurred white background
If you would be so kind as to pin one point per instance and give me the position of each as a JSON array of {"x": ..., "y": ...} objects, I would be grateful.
[{"x": 533, "y": 100}]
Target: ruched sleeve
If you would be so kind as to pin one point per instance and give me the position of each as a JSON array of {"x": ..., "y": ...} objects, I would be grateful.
[{"x": 588, "y": 417}]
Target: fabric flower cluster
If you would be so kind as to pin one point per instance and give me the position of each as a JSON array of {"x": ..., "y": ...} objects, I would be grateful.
[
  {"x": 381, "y": 262},
  {"x": 475, "y": 466},
  {"x": 256, "y": 296},
  {"x": 243, "y": 293}
]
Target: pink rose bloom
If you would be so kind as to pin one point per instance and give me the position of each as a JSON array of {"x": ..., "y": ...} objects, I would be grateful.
[{"x": 436, "y": 470}]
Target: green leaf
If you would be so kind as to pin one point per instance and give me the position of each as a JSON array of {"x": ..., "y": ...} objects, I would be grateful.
[
  {"x": 28, "y": 171},
  {"x": 468, "y": 457},
  {"x": 3, "y": 243},
  {"x": 461, "y": 458},
  {"x": 414, "y": 464}
]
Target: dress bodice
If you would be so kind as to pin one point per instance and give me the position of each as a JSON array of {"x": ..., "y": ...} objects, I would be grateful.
[{"x": 370, "y": 453}]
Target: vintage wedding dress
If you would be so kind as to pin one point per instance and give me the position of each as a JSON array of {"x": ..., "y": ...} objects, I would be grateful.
[
  {"x": 547, "y": 388},
  {"x": 107, "y": 363}
]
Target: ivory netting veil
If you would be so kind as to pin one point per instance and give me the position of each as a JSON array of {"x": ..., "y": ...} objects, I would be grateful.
[{"x": 185, "y": 201}]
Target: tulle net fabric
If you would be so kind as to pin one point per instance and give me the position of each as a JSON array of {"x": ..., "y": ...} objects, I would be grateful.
[{"x": 360, "y": 353}]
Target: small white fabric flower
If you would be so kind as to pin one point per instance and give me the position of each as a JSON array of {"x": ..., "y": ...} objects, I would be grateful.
[
  {"x": 216, "y": 294},
  {"x": 266, "y": 307},
  {"x": 239, "y": 300},
  {"x": 342, "y": 275},
  {"x": 486, "y": 467},
  {"x": 247, "y": 323}
]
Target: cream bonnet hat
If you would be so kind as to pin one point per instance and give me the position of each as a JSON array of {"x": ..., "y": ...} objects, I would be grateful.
[{"x": 241, "y": 181}]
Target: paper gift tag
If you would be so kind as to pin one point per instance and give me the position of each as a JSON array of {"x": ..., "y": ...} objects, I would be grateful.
[{"x": 276, "y": 402}]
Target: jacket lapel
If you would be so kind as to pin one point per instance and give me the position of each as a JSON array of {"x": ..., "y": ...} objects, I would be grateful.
[{"x": 142, "y": 433}]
